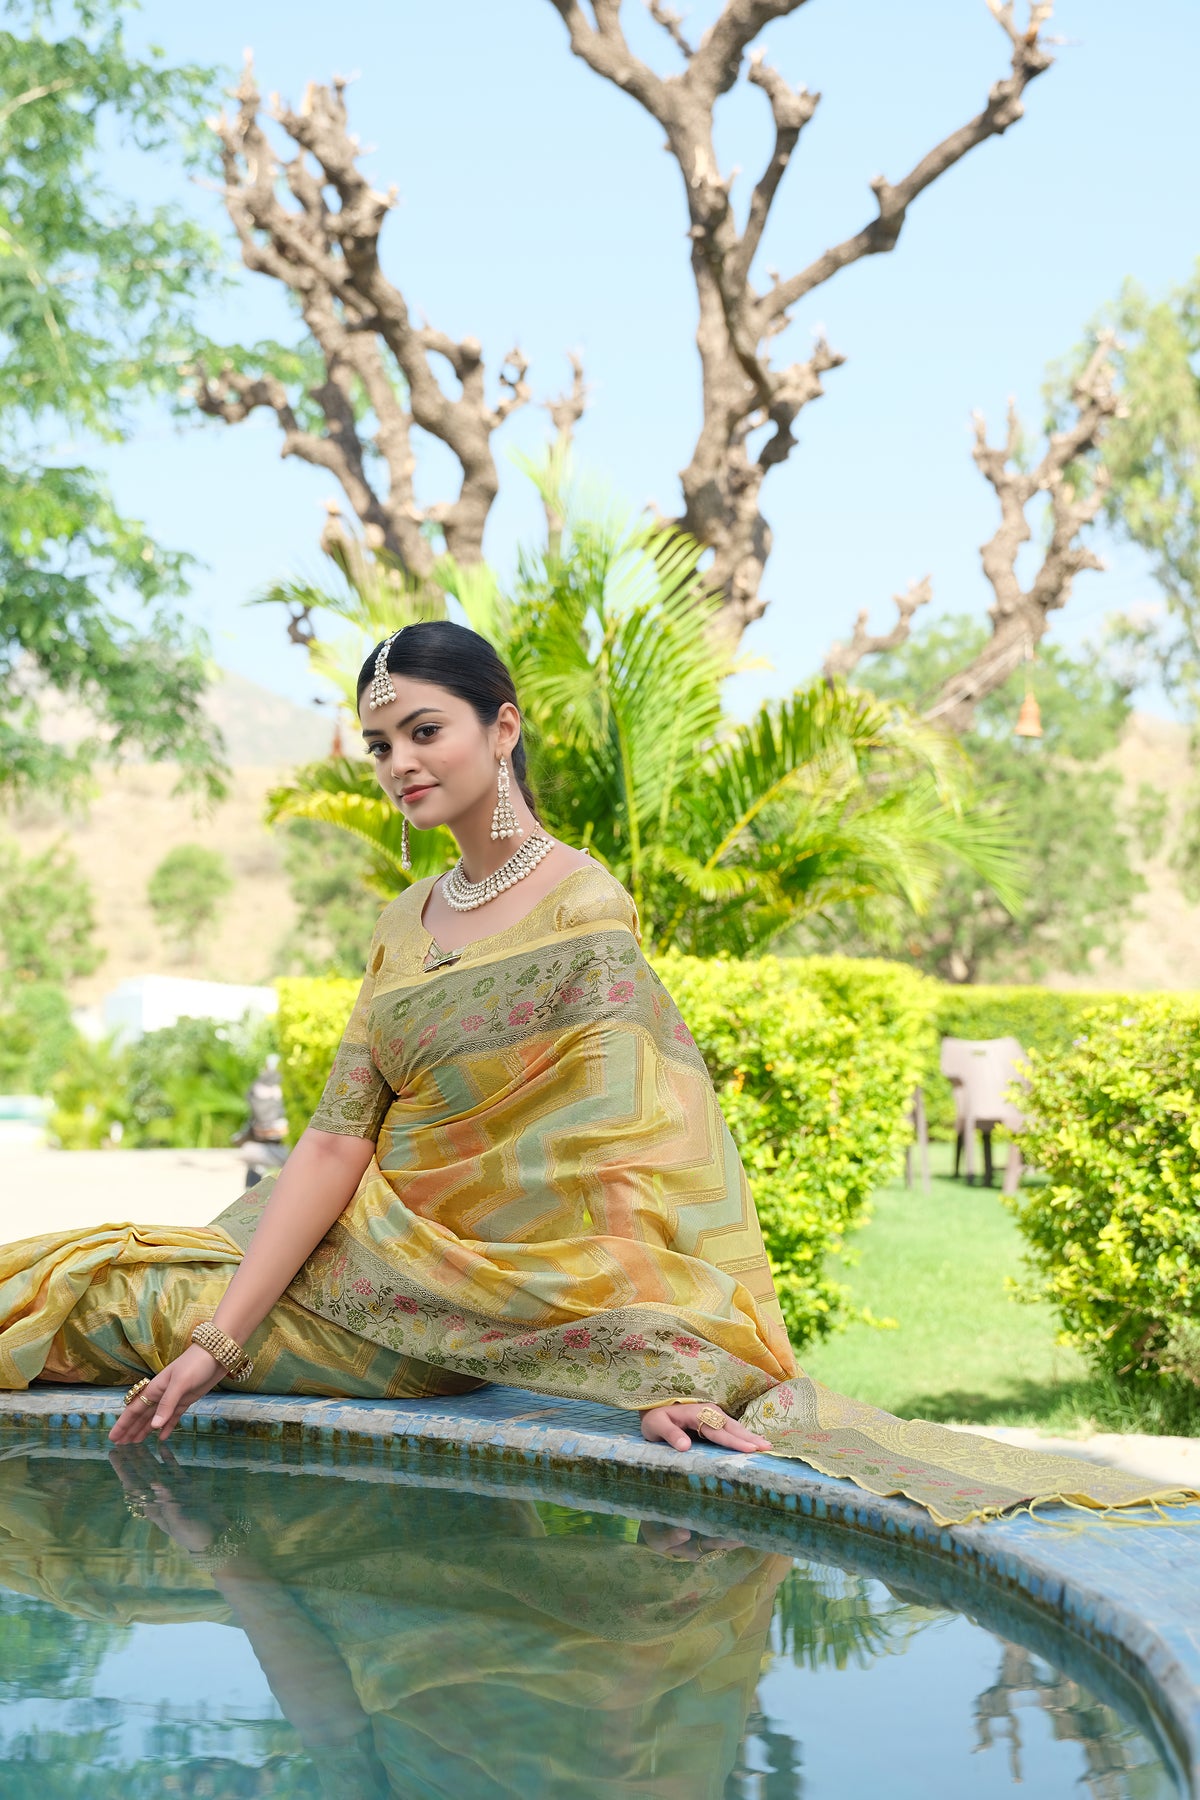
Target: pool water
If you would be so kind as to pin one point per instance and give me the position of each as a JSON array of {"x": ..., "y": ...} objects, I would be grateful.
[{"x": 206, "y": 1628}]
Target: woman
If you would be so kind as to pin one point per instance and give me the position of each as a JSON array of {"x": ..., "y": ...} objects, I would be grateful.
[{"x": 518, "y": 1172}]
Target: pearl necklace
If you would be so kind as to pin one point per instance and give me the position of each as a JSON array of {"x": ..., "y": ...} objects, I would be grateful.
[{"x": 465, "y": 896}]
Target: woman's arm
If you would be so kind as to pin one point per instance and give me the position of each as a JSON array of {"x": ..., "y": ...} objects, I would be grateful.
[{"x": 314, "y": 1188}]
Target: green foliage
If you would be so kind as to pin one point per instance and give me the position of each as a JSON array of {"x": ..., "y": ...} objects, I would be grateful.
[
  {"x": 1151, "y": 457},
  {"x": 1114, "y": 1233},
  {"x": 814, "y": 1064},
  {"x": 724, "y": 834},
  {"x": 47, "y": 938},
  {"x": 328, "y": 873},
  {"x": 183, "y": 1088},
  {"x": 311, "y": 1018},
  {"x": 815, "y": 1075},
  {"x": 185, "y": 893},
  {"x": 47, "y": 924},
  {"x": 1066, "y": 812},
  {"x": 36, "y": 1037},
  {"x": 95, "y": 303}
]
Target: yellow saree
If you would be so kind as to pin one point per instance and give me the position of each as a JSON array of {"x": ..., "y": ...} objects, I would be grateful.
[{"x": 555, "y": 1203}]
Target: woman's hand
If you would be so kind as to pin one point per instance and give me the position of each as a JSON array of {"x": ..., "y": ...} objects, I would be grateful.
[
  {"x": 160, "y": 1406},
  {"x": 671, "y": 1424},
  {"x": 154, "y": 1487},
  {"x": 677, "y": 1544}
]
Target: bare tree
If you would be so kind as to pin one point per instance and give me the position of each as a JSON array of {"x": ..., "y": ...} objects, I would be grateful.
[
  {"x": 377, "y": 378},
  {"x": 1020, "y": 616},
  {"x": 742, "y": 391}
]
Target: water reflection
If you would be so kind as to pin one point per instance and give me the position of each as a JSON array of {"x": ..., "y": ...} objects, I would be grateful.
[{"x": 398, "y": 1640}]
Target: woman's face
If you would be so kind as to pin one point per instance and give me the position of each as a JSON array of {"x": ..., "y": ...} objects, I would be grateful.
[{"x": 432, "y": 755}]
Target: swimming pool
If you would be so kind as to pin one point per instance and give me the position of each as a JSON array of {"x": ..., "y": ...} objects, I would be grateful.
[{"x": 294, "y": 1619}]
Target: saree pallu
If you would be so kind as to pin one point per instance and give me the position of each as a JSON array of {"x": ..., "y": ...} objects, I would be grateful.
[{"x": 555, "y": 1203}]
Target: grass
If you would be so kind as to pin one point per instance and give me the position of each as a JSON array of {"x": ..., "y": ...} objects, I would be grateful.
[{"x": 964, "y": 1351}]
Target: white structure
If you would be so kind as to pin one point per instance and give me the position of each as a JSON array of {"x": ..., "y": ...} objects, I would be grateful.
[{"x": 152, "y": 1002}]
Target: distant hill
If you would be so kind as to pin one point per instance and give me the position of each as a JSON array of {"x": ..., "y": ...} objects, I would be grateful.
[
  {"x": 262, "y": 729},
  {"x": 134, "y": 820}
]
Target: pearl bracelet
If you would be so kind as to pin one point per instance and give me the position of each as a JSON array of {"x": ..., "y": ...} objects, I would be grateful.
[{"x": 222, "y": 1348}]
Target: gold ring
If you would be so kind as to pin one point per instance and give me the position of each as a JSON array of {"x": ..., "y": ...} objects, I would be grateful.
[
  {"x": 144, "y": 1400},
  {"x": 712, "y": 1417},
  {"x": 135, "y": 1392}
]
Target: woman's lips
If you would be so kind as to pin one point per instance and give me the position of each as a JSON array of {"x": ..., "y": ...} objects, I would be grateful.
[{"x": 418, "y": 793}]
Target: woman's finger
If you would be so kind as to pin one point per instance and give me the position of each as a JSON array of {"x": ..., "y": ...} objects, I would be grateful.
[
  {"x": 134, "y": 1422},
  {"x": 659, "y": 1427}
]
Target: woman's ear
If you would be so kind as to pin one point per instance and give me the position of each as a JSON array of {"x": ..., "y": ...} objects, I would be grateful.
[{"x": 508, "y": 728}]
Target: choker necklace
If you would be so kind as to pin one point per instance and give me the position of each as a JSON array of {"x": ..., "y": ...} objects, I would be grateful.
[{"x": 465, "y": 896}]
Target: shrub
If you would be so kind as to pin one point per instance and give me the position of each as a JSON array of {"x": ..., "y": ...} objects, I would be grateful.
[
  {"x": 311, "y": 1019},
  {"x": 1114, "y": 1234},
  {"x": 186, "y": 893},
  {"x": 183, "y": 1088},
  {"x": 814, "y": 1061},
  {"x": 36, "y": 1037}
]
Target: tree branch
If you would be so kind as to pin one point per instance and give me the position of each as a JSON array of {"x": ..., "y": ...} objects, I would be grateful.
[
  {"x": 742, "y": 390},
  {"x": 672, "y": 24},
  {"x": 379, "y": 379},
  {"x": 1020, "y": 616},
  {"x": 844, "y": 658}
]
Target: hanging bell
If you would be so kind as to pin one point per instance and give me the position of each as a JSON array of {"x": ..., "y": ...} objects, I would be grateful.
[{"x": 1029, "y": 719}]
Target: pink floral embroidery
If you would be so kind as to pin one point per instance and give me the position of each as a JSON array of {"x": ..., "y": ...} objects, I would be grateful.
[
  {"x": 530, "y": 1337},
  {"x": 395, "y": 1045},
  {"x": 361, "y": 1074},
  {"x": 521, "y": 1013},
  {"x": 427, "y": 1036},
  {"x": 338, "y": 1267},
  {"x": 473, "y": 1023},
  {"x": 578, "y": 1338},
  {"x": 489, "y": 1337},
  {"x": 621, "y": 990},
  {"x": 689, "y": 1346},
  {"x": 635, "y": 1341},
  {"x": 403, "y": 1304},
  {"x": 571, "y": 994},
  {"x": 455, "y": 1321},
  {"x": 363, "y": 1286},
  {"x": 683, "y": 1034},
  {"x": 786, "y": 1402}
]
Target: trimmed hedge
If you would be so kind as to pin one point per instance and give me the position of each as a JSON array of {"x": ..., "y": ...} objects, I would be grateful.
[
  {"x": 814, "y": 1061},
  {"x": 1114, "y": 1234}
]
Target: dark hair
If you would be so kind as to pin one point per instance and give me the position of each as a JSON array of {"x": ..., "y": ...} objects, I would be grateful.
[{"x": 462, "y": 662}]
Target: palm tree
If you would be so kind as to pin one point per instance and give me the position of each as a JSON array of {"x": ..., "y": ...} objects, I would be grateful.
[{"x": 725, "y": 834}]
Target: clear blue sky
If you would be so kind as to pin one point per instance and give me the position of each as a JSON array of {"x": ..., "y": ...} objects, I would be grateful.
[{"x": 537, "y": 205}]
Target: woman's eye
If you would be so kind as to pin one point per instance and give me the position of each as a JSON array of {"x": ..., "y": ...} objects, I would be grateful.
[
  {"x": 376, "y": 750},
  {"x": 431, "y": 729}
]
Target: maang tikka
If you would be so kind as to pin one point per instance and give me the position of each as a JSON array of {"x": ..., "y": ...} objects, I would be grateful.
[
  {"x": 504, "y": 819},
  {"x": 382, "y": 692}
]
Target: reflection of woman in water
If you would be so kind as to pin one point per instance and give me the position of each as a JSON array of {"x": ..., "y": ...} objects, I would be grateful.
[
  {"x": 449, "y": 1645},
  {"x": 518, "y": 1172}
]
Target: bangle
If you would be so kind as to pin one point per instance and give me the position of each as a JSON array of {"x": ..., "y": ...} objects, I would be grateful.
[{"x": 222, "y": 1348}]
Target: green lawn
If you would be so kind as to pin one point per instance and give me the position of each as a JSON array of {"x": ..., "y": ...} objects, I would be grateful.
[{"x": 963, "y": 1350}]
